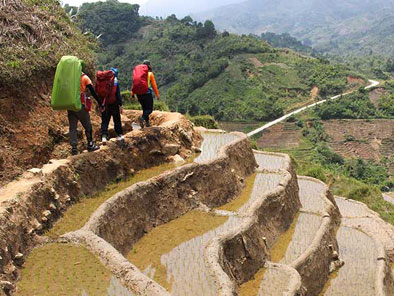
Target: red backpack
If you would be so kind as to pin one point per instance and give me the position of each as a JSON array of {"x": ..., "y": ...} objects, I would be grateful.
[
  {"x": 105, "y": 87},
  {"x": 140, "y": 80}
]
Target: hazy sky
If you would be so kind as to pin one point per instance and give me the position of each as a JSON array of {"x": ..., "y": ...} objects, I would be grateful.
[
  {"x": 166, "y": 7},
  {"x": 79, "y": 2}
]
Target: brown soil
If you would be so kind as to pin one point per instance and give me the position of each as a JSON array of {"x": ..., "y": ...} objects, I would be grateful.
[
  {"x": 355, "y": 80},
  {"x": 31, "y": 133},
  {"x": 359, "y": 138},
  {"x": 256, "y": 62},
  {"x": 280, "y": 136},
  {"x": 314, "y": 92},
  {"x": 376, "y": 94}
]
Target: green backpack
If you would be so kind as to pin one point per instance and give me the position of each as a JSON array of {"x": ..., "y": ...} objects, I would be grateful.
[{"x": 66, "y": 91}]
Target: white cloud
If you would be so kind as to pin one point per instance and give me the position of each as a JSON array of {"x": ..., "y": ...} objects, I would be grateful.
[{"x": 79, "y": 2}]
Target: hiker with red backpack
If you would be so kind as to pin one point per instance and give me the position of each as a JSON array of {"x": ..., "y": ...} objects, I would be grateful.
[
  {"x": 107, "y": 87},
  {"x": 143, "y": 82}
]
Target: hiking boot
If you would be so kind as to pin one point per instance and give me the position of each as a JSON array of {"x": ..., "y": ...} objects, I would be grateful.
[
  {"x": 147, "y": 124},
  {"x": 92, "y": 147},
  {"x": 141, "y": 120},
  {"x": 120, "y": 138},
  {"x": 104, "y": 140},
  {"x": 74, "y": 150}
]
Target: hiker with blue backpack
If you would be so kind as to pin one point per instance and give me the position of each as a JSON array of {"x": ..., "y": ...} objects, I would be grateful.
[
  {"x": 69, "y": 93},
  {"x": 144, "y": 84},
  {"x": 107, "y": 87}
]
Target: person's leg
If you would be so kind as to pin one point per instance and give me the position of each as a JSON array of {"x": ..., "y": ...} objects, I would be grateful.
[
  {"x": 149, "y": 108},
  {"x": 142, "y": 100},
  {"x": 105, "y": 118},
  {"x": 117, "y": 120},
  {"x": 84, "y": 117},
  {"x": 73, "y": 124}
]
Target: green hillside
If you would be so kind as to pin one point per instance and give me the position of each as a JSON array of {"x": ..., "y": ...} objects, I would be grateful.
[{"x": 203, "y": 72}]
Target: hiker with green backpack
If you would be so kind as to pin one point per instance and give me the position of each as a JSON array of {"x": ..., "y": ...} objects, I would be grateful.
[{"x": 69, "y": 93}]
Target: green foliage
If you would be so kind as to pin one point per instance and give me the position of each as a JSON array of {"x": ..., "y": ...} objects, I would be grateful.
[
  {"x": 366, "y": 171},
  {"x": 98, "y": 18},
  {"x": 353, "y": 106},
  {"x": 135, "y": 105},
  {"x": 206, "y": 121},
  {"x": 386, "y": 105},
  {"x": 285, "y": 40},
  {"x": 328, "y": 157}
]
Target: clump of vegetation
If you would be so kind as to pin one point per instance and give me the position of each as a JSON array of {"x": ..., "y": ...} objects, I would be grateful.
[
  {"x": 34, "y": 45},
  {"x": 285, "y": 40},
  {"x": 98, "y": 18},
  {"x": 353, "y": 106},
  {"x": 206, "y": 121}
]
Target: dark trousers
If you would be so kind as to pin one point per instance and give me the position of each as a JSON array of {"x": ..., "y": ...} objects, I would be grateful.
[
  {"x": 146, "y": 102},
  {"x": 111, "y": 110},
  {"x": 73, "y": 118}
]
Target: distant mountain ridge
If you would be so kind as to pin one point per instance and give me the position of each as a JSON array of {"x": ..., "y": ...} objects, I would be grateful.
[
  {"x": 180, "y": 8},
  {"x": 331, "y": 26}
]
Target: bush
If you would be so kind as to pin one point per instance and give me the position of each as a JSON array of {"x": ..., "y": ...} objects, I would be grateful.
[
  {"x": 157, "y": 105},
  {"x": 206, "y": 121},
  {"x": 327, "y": 156},
  {"x": 317, "y": 172}
]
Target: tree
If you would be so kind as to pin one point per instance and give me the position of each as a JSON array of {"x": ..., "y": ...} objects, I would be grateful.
[{"x": 114, "y": 21}]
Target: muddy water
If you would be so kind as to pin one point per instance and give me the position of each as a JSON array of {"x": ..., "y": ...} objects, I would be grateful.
[
  {"x": 270, "y": 162},
  {"x": 296, "y": 240},
  {"x": 267, "y": 282},
  {"x": 357, "y": 276},
  {"x": 311, "y": 196},
  {"x": 172, "y": 254},
  {"x": 212, "y": 142},
  {"x": 351, "y": 209},
  {"x": 57, "y": 269}
]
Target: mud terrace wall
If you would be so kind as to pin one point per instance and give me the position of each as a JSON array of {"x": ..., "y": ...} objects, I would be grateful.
[
  {"x": 128, "y": 215},
  {"x": 30, "y": 205},
  {"x": 314, "y": 264},
  {"x": 236, "y": 256}
]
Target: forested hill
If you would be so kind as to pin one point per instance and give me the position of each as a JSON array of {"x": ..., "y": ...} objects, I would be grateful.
[
  {"x": 335, "y": 27},
  {"x": 201, "y": 71}
]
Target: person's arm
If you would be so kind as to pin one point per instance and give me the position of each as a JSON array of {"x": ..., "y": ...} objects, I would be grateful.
[
  {"x": 154, "y": 85},
  {"x": 94, "y": 94}
]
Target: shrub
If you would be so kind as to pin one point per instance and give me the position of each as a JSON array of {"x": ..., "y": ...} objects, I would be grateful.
[{"x": 206, "y": 121}]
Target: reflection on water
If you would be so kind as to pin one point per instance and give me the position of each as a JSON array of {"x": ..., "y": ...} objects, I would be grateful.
[
  {"x": 357, "y": 276},
  {"x": 288, "y": 250},
  {"x": 263, "y": 184},
  {"x": 351, "y": 209},
  {"x": 212, "y": 143},
  {"x": 186, "y": 269},
  {"x": 270, "y": 162},
  {"x": 271, "y": 281},
  {"x": 311, "y": 196},
  {"x": 179, "y": 235}
]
